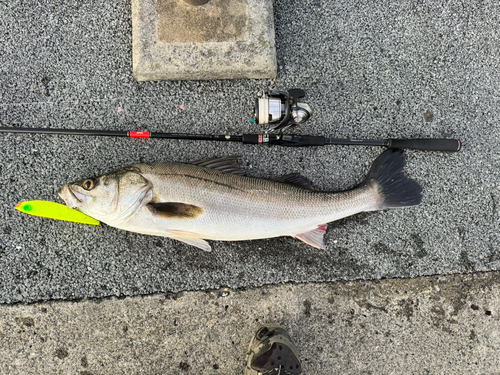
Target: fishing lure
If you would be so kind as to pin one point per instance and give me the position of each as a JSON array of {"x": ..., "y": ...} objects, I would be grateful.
[{"x": 53, "y": 210}]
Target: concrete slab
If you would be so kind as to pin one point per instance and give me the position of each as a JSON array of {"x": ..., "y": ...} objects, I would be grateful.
[
  {"x": 429, "y": 325},
  {"x": 223, "y": 39}
]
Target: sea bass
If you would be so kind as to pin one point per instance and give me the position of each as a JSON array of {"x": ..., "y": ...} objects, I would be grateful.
[{"x": 213, "y": 200}]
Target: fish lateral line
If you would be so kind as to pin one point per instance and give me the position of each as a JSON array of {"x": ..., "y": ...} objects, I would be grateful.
[{"x": 208, "y": 180}]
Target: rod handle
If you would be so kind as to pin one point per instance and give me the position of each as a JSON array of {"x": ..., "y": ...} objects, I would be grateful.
[{"x": 452, "y": 145}]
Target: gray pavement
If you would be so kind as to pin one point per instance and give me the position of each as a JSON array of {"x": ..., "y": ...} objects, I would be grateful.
[
  {"x": 372, "y": 70},
  {"x": 389, "y": 69}
]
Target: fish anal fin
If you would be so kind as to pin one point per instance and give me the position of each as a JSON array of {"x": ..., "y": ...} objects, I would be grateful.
[
  {"x": 228, "y": 164},
  {"x": 296, "y": 180},
  {"x": 175, "y": 210},
  {"x": 314, "y": 237},
  {"x": 189, "y": 238}
]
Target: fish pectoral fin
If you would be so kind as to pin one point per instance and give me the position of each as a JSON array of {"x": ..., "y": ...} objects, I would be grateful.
[
  {"x": 314, "y": 237},
  {"x": 190, "y": 238},
  {"x": 175, "y": 210}
]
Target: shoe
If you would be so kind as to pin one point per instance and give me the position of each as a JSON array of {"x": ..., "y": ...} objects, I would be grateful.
[{"x": 272, "y": 352}]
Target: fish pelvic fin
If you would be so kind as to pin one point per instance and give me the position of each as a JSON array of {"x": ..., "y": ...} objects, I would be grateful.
[
  {"x": 314, "y": 237},
  {"x": 395, "y": 190},
  {"x": 189, "y": 238}
]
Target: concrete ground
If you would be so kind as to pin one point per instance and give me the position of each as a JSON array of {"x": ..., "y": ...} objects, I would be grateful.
[
  {"x": 376, "y": 69},
  {"x": 428, "y": 325}
]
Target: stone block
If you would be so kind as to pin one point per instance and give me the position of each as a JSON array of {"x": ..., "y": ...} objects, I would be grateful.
[{"x": 223, "y": 39}]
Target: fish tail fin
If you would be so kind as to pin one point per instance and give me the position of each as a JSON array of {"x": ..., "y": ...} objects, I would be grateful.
[{"x": 394, "y": 188}]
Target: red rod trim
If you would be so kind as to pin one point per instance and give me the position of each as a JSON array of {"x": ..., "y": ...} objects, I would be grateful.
[{"x": 139, "y": 134}]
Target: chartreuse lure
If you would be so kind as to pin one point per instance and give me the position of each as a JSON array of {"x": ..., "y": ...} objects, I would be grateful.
[{"x": 54, "y": 210}]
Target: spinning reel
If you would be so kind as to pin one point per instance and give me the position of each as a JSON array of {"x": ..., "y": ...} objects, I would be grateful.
[{"x": 281, "y": 107}]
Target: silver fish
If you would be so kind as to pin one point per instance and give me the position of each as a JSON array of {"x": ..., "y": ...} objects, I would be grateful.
[{"x": 213, "y": 200}]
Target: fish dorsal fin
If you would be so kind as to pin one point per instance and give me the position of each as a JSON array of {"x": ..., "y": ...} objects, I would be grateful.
[
  {"x": 228, "y": 164},
  {"x": 295, "y": 179},
  {"x": 190, "y": 238},
  {"x": 175, "y": 210},
  {"x": 314, "y": 237}
]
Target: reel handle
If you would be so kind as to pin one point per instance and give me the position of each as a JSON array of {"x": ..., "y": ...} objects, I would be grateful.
[{"x": 452, "y": 145}]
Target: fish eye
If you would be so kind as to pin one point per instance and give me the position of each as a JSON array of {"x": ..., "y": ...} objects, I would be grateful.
[{"x": 88, "y": 184}]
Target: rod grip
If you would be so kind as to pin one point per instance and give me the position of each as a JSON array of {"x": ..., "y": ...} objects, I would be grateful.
[{"x": 452, "y": 145}]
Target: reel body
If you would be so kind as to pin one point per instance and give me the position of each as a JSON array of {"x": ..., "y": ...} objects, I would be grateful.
[{"x": 281, "y": 107}]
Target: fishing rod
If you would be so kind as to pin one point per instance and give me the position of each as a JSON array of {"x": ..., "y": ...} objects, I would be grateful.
[
  {"x": 281, "y": 108},
  {"x": 288, "y": 140}
]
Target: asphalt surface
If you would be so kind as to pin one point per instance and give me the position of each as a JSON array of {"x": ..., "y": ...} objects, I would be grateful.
[{"x": 390, "y": 69}]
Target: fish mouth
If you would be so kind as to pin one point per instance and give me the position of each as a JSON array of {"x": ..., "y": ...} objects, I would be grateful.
[{"x": 71, "y": 198}]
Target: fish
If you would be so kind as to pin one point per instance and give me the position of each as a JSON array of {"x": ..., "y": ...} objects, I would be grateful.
[{"x": 213, "y": 199}]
